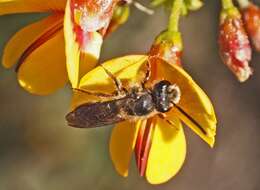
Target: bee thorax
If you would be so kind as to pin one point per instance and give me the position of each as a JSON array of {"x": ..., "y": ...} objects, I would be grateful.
[{"x": 141, "y": 106}]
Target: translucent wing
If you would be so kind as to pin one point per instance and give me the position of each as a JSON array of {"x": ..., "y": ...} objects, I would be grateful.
[{"x": 97, "y": 114}]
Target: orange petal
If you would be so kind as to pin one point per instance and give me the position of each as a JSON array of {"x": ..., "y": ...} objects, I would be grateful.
[
  {"x": 82, "y": 47},
  {"x": 23, "y": 40},
  {"x": 167, "y": 153},
  {"x": 122, "y": 143},
  {"x": 25, "y": 6},
  {"x": 43, "y": 71}
]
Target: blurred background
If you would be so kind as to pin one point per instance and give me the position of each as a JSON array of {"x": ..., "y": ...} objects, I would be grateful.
[{"x": 38, "y": 151}]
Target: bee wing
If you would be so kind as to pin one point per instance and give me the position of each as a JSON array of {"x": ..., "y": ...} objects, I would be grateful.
[{"x": 97, "y": 114}]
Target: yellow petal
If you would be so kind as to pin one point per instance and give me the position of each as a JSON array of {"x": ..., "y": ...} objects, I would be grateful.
[
  {"x": 193, "y": 101},
  {"x": 24, "y": 6},
  {"x": 82, "y": 48},
  {"x": 24, "y": 39},
  {"x": 125, "y": 68},
  {"x": 122, "y": 143},
  {"x": 167, "y": 152},
  {"x": 43, "y": 71}
]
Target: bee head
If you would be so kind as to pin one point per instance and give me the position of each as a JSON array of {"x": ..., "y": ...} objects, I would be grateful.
[{"x": 165, "y": 95}]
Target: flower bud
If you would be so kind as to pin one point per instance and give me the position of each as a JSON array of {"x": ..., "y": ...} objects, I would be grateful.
[
  {"x": 251, "y": 17},
  {"x": 168, "y": 46},
  {"x": 234, "y": 45}
]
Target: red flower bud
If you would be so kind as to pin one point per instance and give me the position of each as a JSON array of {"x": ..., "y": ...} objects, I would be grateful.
[
  {"x": 168, "y": 46},
  {"x": 234, "y": 44},
  {"x": 251, "y": 17}
]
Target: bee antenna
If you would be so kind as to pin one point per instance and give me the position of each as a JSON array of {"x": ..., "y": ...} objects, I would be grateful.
[{"x": 191, "y": 119}]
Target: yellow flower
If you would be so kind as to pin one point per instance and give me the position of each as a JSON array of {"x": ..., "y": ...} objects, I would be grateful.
[
  {"x": 38, "y": 49},
  {"x": 167, "y": 150}
]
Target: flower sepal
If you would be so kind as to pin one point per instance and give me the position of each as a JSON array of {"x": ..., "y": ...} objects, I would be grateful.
[
  {"x": 231, "y": 12},
  {"x": 193, "y": 5}
]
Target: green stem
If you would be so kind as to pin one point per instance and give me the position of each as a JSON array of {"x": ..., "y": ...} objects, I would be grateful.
[
  {"x": 175, "y": 15},
  {"x": 226, "y": 4}
]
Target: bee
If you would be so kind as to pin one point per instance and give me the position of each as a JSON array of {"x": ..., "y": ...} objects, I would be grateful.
[{"x": 138, "y": 102}]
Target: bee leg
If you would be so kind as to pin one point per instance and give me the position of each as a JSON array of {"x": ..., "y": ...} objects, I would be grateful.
[
  {"x": 163, "y": 116},
  {"x": 98, "y": 94},
  {"x": 120, "y": 89},
  {"x": 147, "y": 74}
]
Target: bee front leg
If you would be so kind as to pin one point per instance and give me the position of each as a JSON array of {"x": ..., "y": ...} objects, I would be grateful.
[
  {"x": 119, "y": 87},
  {"x": 147, "y": 74}
]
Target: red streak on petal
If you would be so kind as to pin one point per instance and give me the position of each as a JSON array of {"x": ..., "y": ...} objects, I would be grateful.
[
  {"x": 143, "y": 145},
  {"x": 139, "y": 141},
  {"x": 38, "y": 42},
  {"x": 74, "y": 4}
]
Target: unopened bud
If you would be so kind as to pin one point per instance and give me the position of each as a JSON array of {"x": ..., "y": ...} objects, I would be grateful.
[{"x": 234, "y": 45}]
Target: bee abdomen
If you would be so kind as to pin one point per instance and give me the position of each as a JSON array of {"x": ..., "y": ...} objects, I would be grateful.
[{"x": 95, "y": 115}]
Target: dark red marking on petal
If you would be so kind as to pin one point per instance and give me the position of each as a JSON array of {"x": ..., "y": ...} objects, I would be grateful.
[
  {"x": 143, "y": 145},
  {"x": 38, "y": 42},
  {"x": 139, "y": 141}
]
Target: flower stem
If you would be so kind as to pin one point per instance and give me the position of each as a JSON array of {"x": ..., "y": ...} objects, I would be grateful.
[
  {"x": 226, "y": 4},
  {"x": 243, "y": 3},
  {"x": 175, "y": 15}
]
